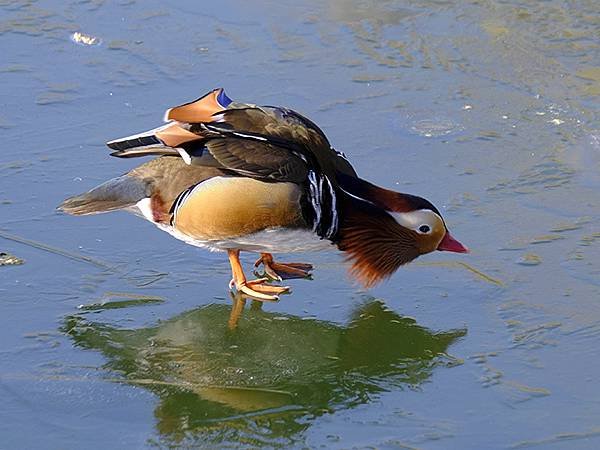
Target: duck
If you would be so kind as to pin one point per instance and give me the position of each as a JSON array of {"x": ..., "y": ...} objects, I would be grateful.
[{"x": 229, "y": 176}]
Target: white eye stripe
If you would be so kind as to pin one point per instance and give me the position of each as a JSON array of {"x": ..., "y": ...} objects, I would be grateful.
[{"x": 414, "y": 220}]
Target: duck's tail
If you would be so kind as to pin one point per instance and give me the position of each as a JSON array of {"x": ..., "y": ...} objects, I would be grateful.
[
  {"x": 143, "y": 144},
  {"x": 117, "y": 193}
]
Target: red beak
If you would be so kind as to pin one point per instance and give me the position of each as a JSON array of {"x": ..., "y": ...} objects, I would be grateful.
[{"x": 449, "y": 244}]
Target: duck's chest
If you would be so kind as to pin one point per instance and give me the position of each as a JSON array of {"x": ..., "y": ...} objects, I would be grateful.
[
  {"x": 225, "y": 207},
  {"x": 247, "y": 214}
]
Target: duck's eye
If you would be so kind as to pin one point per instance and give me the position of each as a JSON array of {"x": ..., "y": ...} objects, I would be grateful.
[{"x": 424, "y": 229}]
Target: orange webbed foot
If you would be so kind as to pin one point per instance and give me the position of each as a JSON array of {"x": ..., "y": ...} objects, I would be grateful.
[{"x": 255, "y": 289}]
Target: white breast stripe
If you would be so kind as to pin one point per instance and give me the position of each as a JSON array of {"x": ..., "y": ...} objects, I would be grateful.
[
  {"x": 334, "y": 217},
  {"x": 320, "y": 189},
  {"x": 315, "y": 198},
  {"x": 181, "y": 200}
]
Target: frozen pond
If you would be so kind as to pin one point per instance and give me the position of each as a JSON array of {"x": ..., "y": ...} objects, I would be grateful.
[{"x": 115, "y": 335}]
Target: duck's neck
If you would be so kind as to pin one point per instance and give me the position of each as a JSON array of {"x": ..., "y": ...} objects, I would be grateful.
[{"x": 374, "y": 243}]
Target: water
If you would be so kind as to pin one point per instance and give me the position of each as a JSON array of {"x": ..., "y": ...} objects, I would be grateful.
[{"x": 117, "y": 336}]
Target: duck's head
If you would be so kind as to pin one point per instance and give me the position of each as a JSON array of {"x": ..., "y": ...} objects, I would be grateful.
[
  {"x": 428, "y": 226},
  {"x": 388, "y": 229}
]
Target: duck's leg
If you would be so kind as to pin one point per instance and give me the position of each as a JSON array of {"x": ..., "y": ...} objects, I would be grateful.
[
  {"x": 279, "y": 271},
  {"x": 257, "y": 289}
]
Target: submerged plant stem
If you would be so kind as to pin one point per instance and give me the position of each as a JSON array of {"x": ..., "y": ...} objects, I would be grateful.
[
  {"x": 454, "y": 264},
  {"x": 55, "y": 250}
]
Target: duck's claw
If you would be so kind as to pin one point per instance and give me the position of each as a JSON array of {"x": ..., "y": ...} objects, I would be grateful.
[
  {"x": 270, "y": 272},
  {"x": 245, "y": 290},
  {"x": 279, "y": 271},
  {"x": 259, "y": 290},
  {"x": 256, "y": 289},
  {"x": 261, "y": 283},
  {"x": 256, "y": 281},
  {"x": 288, "y": 270}
]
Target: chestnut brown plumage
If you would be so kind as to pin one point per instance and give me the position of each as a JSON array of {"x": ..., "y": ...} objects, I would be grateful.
[{"x": 376, "y": 246}]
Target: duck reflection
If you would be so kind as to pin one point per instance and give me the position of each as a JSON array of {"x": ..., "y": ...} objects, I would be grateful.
[{"x": 223, "y": 370}]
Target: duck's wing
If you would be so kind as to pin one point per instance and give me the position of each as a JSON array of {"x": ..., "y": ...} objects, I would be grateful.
[
  {"x": 260, "y": 160},
  {"x": 284, "y": 128},
  {"x": 259, "y": 142}
]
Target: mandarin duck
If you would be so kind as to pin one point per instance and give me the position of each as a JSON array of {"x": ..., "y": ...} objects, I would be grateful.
[{"x": 230, "y": 176}]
